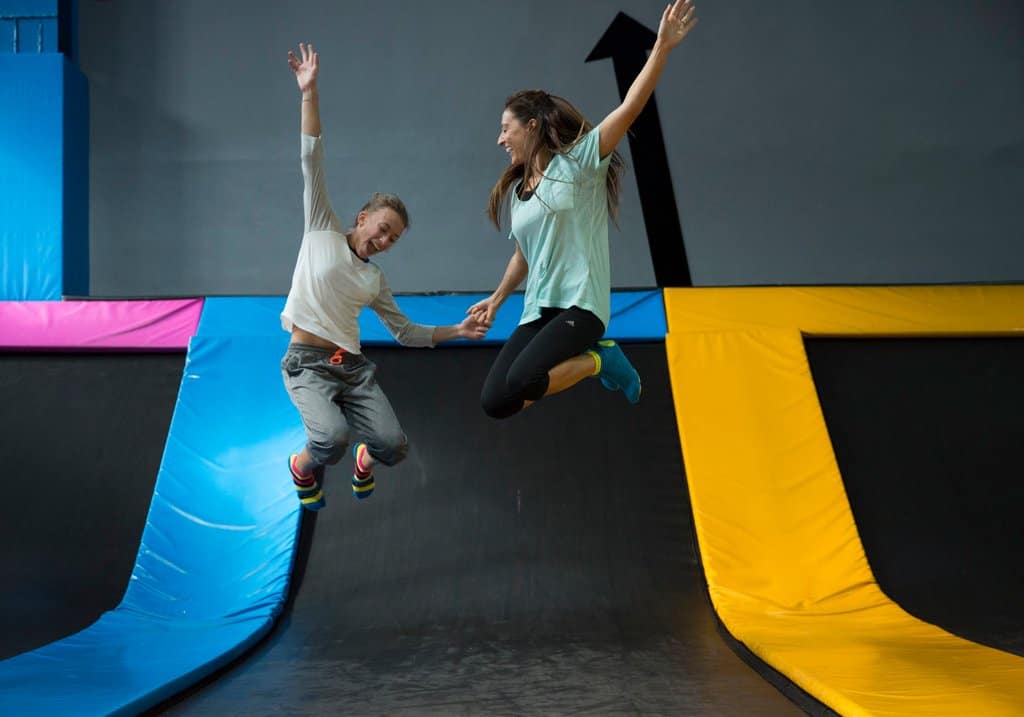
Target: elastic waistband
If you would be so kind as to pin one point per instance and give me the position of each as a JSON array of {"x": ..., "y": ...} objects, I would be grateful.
[{"x": 324, "y": 351}]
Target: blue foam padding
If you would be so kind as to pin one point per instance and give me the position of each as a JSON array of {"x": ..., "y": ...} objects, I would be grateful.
[
  {"x": 213, "y": 567},
  {"x": 44, "y": 177},
  {"x": 31, "y": 176},
  {"x": 636, "y": 316}
]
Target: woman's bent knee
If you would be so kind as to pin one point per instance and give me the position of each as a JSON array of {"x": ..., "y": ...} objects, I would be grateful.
[
  {"x": 527, "y": 385},
  {"x": 500, "y": 407}
]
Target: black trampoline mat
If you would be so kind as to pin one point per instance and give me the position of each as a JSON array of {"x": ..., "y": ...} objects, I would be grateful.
[
  {"x": 83, "y": 435},
  {"x": 539, "y": 565},
  {"x": 929, "y": 437}
]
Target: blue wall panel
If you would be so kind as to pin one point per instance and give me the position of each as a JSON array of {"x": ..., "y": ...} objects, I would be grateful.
[
  {"x": 28, "y": 8},
  {"x": 31, "y": 184},
  {"x": 29, "y": 26},
  {"x": 44, "y": 177}
]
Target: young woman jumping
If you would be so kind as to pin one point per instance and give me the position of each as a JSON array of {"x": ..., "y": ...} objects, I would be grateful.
[{"x": 563, "y": 178}]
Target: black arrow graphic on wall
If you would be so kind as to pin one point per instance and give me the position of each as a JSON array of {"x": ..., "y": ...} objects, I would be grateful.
[{"x": 626, "y": 41}]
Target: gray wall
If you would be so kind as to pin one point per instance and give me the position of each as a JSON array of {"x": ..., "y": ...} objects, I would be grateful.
[{"x": 809, "y": 142}]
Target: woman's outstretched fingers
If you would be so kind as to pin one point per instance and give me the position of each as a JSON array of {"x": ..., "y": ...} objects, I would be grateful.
[
  {"x": 676, "y": 22},
  {"x": 688, "y": 18}
]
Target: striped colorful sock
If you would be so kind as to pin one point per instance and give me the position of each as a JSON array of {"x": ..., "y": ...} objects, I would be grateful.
[
  {"x": 362, "y": 480},
  {"x": 306, "y": 485}
]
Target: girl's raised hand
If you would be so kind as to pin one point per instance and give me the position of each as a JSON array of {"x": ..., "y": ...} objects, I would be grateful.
[{"x": 306, "y": 68}]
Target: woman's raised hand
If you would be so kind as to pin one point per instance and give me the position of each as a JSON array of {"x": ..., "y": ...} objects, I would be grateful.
[
  {"x": 676, "y": 22},
  {"x": 306, "y": 68}
]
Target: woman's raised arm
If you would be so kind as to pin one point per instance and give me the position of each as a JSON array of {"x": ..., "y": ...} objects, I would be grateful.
[{"x": 676, "y": 22}]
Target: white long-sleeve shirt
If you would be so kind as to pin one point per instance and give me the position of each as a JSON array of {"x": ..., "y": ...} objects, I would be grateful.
[{"x": 330, "y": 284}]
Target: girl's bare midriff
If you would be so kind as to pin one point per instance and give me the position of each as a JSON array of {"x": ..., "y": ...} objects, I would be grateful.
[{"x": 301, "y": 336}]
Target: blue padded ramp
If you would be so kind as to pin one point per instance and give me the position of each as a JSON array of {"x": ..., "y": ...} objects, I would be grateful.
[
  {"x": 213, "y": 568},
  {"x": 637, "y": 315}
]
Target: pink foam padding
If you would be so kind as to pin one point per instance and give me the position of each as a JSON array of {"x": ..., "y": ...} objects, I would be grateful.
[{"x": 110, "y": 325}]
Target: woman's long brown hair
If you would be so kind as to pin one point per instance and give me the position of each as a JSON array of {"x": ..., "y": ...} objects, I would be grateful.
[{"x": 559, "y": 127}]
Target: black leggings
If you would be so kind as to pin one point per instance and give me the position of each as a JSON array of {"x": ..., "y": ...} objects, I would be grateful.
[{"x": 520, "y": 373}]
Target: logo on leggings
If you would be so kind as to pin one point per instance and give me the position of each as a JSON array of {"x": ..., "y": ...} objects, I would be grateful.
[{"x": 571, "y": 323}]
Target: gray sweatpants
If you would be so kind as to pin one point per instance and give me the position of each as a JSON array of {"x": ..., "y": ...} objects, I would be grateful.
[{"x": 341, "y": 402}]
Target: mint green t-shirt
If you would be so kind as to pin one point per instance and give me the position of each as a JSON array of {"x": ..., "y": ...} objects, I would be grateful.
[{"x": 563, "y": 232}]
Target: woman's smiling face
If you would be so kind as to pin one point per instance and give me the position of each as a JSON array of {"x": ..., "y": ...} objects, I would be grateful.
[
  {"x": 515, "y": 137},
  {"x": 376, "y": 231}
]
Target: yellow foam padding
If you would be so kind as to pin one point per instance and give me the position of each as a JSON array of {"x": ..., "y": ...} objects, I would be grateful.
[
  {"x": 851, "y": 310},
  {"x": 786, "y": 570}
]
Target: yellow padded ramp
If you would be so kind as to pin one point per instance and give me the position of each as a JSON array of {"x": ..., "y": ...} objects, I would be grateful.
[{"x": 785, "y": 567}]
